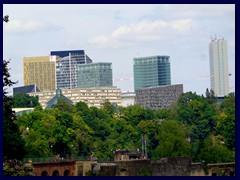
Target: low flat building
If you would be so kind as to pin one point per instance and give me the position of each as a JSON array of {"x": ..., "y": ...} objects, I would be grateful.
[
  {"x": 25, "y": 89},
  {"x": 159, "y": 96},
  {"x": 91, "y": 96},
  {"x": 128, "y": 99},
  {"x": 20, "y": 111}
]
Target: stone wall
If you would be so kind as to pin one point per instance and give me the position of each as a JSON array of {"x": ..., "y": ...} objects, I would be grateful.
[
  {"x": 197, "y": 169},
  {"x": 54, "y": 168},
  {"x": 221, "y": 169},
  {"x": 179, "y": 166},
  {"x": 107, "y": 169},
  {"x": 131, "y": 167}
]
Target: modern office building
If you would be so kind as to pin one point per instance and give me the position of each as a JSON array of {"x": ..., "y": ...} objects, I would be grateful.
[
  {"x": 67, "y": 66},
  {"x": 219, "y": 75},
  {"x": 25, "y": 89},
  {"x": 95, "y": 75},
  {"x": 151, "y": 71},
  {"x": 91, "y": 96},
  {"x": 158, "y": 97},
  {"x": 40, "y": 71}
]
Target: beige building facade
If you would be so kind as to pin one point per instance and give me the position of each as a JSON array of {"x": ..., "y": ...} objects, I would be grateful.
[
  {"x": 91, "y": 96},
  {"x": 40, "y": 71}
]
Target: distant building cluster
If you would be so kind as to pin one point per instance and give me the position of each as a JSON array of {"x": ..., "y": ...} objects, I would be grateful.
[
  {"x": 76, "y": 77},
  {"x": 92, "y": 96}
]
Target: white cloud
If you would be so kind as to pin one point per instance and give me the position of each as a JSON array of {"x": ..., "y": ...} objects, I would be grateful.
[
  {"x": 17, "y": 26},
  {"x": 144, "y": 31}
]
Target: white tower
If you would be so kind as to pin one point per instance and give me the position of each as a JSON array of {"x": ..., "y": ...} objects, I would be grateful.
[{"x": 218, "y": 55}]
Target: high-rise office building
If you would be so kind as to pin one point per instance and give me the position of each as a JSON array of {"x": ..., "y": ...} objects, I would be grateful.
[
  {"x": 219, "y": 66},
  {"x": 39, "y": 71},
  {"x": 151, "y": 71},
  {"x": 95, "y": 75},
  {"x": 67, "y": 66}
]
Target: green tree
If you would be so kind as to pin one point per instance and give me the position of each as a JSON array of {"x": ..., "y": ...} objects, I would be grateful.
[
  {"x": 64, "y": 106},
  {"x": 215, "y": 153},
  {"x": 226, "y": 121},
  {"x": 210, "y": 96},
  {"x": 13, "y": 144},
  {"x": 150, "y": 130},
  {"x": 173, "y": 139},
  {"x": 24, "y": 100}
]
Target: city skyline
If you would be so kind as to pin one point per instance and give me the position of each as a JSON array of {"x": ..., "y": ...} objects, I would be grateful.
[{"x": 118, "y": 33}]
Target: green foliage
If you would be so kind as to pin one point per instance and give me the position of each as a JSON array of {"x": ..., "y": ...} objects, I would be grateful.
[
  {"x": 63, "y": 106},
  {"x": 226, "y": 121},
  {"x": 15, "y": 168},
  {"x": 173, "y": 140},
  {"x": 210, "y": 96},
  {"x": 13, "y": 144},
  {"x": 24, "y": 100},
  {"x": 78, "y": 130},
  {"x": 215, "y": 153}
]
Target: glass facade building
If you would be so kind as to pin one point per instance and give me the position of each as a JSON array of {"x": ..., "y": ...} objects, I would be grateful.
[
  {"x": 151, "y": 71},
  {"x": 219, "y": 67},
  {"x": 95, "y": 75},
  {"x": 67, "y": 67}
]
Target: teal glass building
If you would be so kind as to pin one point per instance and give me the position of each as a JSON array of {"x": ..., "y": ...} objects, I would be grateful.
[
  {"x": 151, "y": 71},
  {"x": 95, "y": 75}
]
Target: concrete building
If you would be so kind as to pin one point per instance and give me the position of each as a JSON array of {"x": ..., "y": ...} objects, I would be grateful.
[
  {"x": 40, "y": 71},
  {"x": 95, "y": 75},
  {"x": 67, "y": 67},
  {"x": 20, "y": 111},
  {"x": 55, "y": 99},
  {"x": 158, "y": 97},
  {"x": 128, "y": 99},
  {"x": 91, "y": 96},
  {"x": 151, "y": 71},
  {"x": 219, "y": 75}
]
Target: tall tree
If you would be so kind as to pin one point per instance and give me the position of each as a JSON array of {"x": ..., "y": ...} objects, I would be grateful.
[
  {"x": 173, "y": 139},
  {"x": 13, "y": 144}
]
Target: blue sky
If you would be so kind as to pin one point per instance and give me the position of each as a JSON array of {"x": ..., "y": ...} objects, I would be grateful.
[{"x": 117, "y": 33}]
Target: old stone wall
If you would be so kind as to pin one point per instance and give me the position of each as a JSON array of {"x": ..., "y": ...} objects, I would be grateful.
[
  {"x": 131, "y": 167},
  {"x": 107, "y": 169},
  {"x": 221, "y": 169},
  {"x": 54, "y": 168},
  {"x": 197, "y": 169},
  {"x": 179, "y": 166}
]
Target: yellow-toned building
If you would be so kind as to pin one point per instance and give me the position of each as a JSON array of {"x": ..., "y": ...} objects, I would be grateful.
[{"x": 40, "y": 71}]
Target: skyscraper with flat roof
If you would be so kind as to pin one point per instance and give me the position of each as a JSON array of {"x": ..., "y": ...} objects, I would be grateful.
[
  {"x": 39, "y": 71},
  {"x": 219, "y": 75},
  {"x": 151, "y": 71},
  {"x": 67, "y": 66},
  {"x": 95, "y": 75}
]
